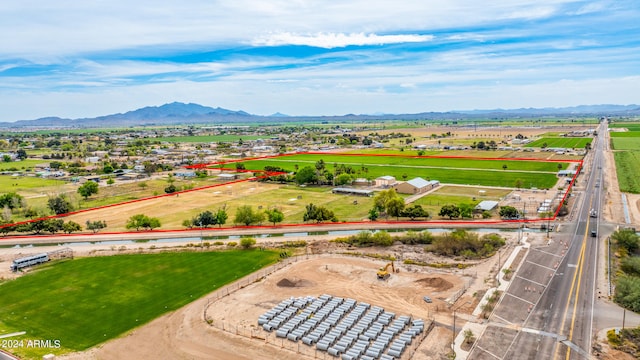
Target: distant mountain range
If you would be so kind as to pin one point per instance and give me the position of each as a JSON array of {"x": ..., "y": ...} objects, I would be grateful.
[{"x": 180, "y": 113}]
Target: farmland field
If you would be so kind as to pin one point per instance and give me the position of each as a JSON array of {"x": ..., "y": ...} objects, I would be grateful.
[
  {"x": 625, "y": 134},
  {"x": 83, "y": 307},
  {"x": 538, "y": 174},
  {"x": 627, "y": 165},
  {"x": 629, "y": 126},
  {"x": 561, "y": 142},
  {"x": 626, "y": 143}
]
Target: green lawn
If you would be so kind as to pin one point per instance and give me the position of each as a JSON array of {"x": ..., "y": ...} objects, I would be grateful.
[
  {"x": 561, "y": 142},
  {"x": 627, "y": 167},
  {"x": 87, "y": 301}
]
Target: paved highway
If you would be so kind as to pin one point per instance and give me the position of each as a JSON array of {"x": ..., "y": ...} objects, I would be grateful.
[{"x": 547, "y": 312}]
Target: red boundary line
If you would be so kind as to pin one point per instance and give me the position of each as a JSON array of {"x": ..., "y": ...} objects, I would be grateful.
[{"x": 269, "y": 174}]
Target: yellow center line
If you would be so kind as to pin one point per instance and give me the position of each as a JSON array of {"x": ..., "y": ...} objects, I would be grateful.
[
  {"x": 575, "y": 303},
  {"x": 573, "y": 283}
]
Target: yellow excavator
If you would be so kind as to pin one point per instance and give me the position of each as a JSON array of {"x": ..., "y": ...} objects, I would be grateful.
[{"x": 383, "y": 273}]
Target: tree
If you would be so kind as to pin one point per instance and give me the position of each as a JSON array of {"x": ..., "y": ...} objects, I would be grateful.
[
  {"x": 627, "y": 239},
  {"x": 342, "y": 179},
  {"x": 274, "y": 215},
  {"x": 247, "y": 216},
  {"x": 415, "y": 211},
  {"x": 205, "y": 219},
  {"x": 559, "y": 166},
  {"x": 246, "y": 243},
  {"x": 628, "y": 292},
  {"x": 96, "y": 226},
  {"x": 149, "y": 167},
  {"x": 504, "y": 167},
  {"x": 466, "y": 210},
  {"x": 71, "y": 226},
  {"x": 59, "y": 204},
  {"x": 310, "y": 212},
  {"x": 88, "y": 188},
  {"x": 373, "y": 214},
  {"x": 142, "y": 221},
  {"x": 221, "y": 216},
  {"x": 318, "y": 214},
  {"x": 21, "y": 154},
  {"x": 384, "y": 198},
  {"x": 11, "y": 200},
  {"x": 306, "y": 175},
  {"x": 53, "y": 225},
  {"x": 452, "y": 211},
  {"x": 395, "y": 207},
  {"x": 110, "y": 181},
  {"x": 170, "y": 189},
  {"x": 509, "y": 212},
  {"x": 107, "y": 168}
]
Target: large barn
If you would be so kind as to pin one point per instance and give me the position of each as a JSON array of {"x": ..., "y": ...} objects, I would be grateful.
[{"x": 416, "y": 186}]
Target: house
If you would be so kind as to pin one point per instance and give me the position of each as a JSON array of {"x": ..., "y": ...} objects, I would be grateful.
[
  {"x": 386, "y": 181},
  {"x": 416, "y": 186}
]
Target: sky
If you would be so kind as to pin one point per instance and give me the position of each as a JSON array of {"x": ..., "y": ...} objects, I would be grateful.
[{"x": 77, "y": 59}]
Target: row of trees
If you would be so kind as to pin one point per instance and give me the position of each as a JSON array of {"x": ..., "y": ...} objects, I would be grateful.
[
  {"x": 456, "y": 243},
  {"x": 51, "y": 226},
  {"x": 627, "y": 292}
]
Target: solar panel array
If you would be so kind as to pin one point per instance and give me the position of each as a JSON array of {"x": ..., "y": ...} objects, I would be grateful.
[{"x": 342, "y": 327}]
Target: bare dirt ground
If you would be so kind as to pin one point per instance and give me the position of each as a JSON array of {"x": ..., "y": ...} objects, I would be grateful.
[{"x": 184, "y": 334}]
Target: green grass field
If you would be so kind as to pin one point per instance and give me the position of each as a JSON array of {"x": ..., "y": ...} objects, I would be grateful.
[
  {"x": 462, "y": 163},
  {"x": 21, "y": 165},
  {"x": 454, "y": 171},
  {"x": 561, "y": 142},
  {"x": 626, "y": 134},
  {"x": 630, "y": 126},
  {"x": 627, "y": 166},
  {"x": 625, "y": 143},
  {"x": 87, "y": 301},
  {"x": 16, "y": 184}
]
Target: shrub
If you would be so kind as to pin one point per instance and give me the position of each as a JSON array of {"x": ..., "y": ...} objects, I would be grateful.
[
  {"x": 232, "y": 244},
  {"x": 246, "y": 243},
  {"x": 631, "y": 265}
]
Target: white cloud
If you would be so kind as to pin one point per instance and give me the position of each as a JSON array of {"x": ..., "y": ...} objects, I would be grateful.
[{"x": 336, "y": 40}]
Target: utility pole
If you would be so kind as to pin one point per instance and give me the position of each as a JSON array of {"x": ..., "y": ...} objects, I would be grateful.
[{"x": 453, "y": 336}]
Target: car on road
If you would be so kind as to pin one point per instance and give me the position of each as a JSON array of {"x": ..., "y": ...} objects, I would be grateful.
[
  {"x": 593, "y": 213},
  {"x": 594, "y": 233}
]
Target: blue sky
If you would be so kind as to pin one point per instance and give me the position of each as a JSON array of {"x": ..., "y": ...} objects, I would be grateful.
[{"x": 310, "y": 57}]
